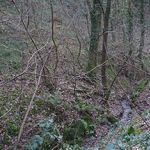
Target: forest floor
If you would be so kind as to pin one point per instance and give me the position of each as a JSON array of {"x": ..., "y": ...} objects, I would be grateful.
[{"x": 72, "y": 102}]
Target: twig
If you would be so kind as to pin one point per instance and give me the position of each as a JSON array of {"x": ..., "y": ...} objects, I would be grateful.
[
  {"x": 31, "y": 102},
  {"x": 32, "y": 40}
]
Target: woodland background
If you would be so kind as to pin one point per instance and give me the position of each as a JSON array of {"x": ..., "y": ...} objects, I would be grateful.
[{"x": 74, "y": 74}]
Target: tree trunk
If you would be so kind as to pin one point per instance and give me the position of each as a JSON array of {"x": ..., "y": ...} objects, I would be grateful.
[
  {"x": 104, "y": 49},
  {"x": 130, "y": 26},
  {"x": 142, "y": 26},
  {"x": 95, "y": 15}
]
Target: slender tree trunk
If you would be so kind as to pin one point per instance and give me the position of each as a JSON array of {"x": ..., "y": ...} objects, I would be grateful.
[
  {"x": 124, "y": 33},
  {"x": 142, "y": 26},
  {"x": 130, "y": 72},
  {"x": 130, "y": 26},
  {"x": 104, "y": 49},
  {"x": 95, "y": 15}
]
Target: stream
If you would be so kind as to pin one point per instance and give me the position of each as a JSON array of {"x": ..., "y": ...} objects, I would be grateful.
[{"x": 127, "y": 111}]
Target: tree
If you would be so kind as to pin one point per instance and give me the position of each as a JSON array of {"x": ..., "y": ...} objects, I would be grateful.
[
  {"x": 104, "y": 49},
  {"x": 142, "y": 30},
  {"x": 130, "y": 26},
  {"x": 95, "y": 16}
]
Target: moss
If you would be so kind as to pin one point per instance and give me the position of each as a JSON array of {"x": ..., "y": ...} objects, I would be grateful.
[
  {"x": 78, "y": 130},
  {"x": 12, "y": 128}
]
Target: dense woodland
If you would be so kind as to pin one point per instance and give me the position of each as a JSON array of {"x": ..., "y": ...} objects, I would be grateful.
[{"x": 74, "y": 74}]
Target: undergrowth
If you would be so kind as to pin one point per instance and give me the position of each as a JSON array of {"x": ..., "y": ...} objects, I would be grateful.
[{"x": 128, "y": 138}]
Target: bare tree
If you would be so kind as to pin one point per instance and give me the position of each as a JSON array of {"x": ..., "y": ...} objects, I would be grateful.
[
  {"x": 142, "y": 30},
  {"x": 104, "y": 48},
  {"x": 130, "y": 26},
  {"x": 95, "y": 15}
]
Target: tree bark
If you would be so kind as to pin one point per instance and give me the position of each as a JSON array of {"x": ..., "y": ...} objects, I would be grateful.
[
  {"x": 95, "y": 15},
  {"x": 104, "y": 49},
  {"x": 130, "y": 26},
  {"x": 142, "y": 28}
]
